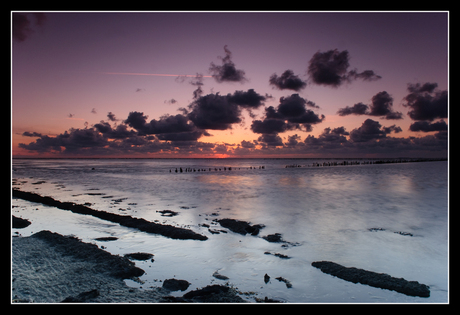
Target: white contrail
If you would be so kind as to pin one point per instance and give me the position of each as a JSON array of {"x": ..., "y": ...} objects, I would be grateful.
[{"x": 156, "y": 74}]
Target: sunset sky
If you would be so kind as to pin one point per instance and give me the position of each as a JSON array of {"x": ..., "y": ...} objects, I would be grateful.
[{"x": 223, "y": 84}]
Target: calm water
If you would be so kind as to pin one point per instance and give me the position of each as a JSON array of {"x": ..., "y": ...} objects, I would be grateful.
[{"x": 324, "y": 212}]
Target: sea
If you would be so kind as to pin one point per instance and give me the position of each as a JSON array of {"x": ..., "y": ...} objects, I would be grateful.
[{"x": 383, "y": 217}]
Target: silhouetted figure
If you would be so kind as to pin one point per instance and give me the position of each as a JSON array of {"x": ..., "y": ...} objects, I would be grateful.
[
  {"x": 176, "y": 169},
  {"x": 181, "y": 169}
]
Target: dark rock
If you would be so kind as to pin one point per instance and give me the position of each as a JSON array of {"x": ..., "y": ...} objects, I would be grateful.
[
  {"x": 266, "y": 278},
  {"x": 286, "y": 281},
  {"x": 376, "y": 229},
  {"x": 168, "y": 213},
  {"x": 106, "y": 239},
  {"x": 139, "y": 256},
  {"x": 278, "y": 255},
  {"x": 82, "y": 297},
  {"x": 201, "y": 294},
  {"x": 240, "y": 227},
  {"x": 217, "y": 275},
  {"x": 175, "y": 285},
  {"x": 373, "y": 279},
  {"x": 267, "y": 300},
  {"x": 19, "y": 223},
  {"x": 405, "y": 233},
  {"x": 124, "y": 220},
  {"x": 273, "y": 238},
  {"x": 113, "y": 265}
]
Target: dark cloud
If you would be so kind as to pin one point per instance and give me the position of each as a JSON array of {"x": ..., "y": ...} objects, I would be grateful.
[
  {"x": 381, "y": 105},
  {"x": 168, "y": 127},
  {"x": 227, "y": 72},
  {"x": 357, "y": 109},
  {"x": 111, "y": 116},
  {"x": 287, "y": 81},
  {"x": 249, "y": 99},
  {"x": 366, "y": 75},
  {"x": 31, "y": 134},
  {"x": 330, "y": 68},
  {"x": 74, "y": 141},
  {"x": 271, "y": 140},
  {"x": 425, "y": 126},
  {"x": 328, "y": 139},
  {"x": 219, "y": 112},
  {"x": 22, "y": 24},
  {"x": 426, "y": 102},
  {"x": 247, "y": 144},
  {"x": 269, "y": 126},
  {"x": 290, "y": 114},
  {"x": 371, "y": 130},
  {"x": 120, "y": 132},
  {"x": 214, "y": 111}
]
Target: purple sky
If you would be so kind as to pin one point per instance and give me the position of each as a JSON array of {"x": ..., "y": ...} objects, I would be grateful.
[{"x": 385, "y": 73}]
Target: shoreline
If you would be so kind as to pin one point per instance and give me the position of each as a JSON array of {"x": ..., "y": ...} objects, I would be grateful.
[{"x": 48, "y": 267}]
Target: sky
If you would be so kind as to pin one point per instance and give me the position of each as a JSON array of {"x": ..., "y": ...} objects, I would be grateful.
[{"x": 229, "y": 84}]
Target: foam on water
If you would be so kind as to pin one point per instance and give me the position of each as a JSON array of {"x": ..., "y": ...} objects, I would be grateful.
[{"x": 325, "y": 213}]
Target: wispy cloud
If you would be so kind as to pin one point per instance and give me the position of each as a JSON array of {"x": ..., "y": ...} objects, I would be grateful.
[{"x": 154, "y": 74}]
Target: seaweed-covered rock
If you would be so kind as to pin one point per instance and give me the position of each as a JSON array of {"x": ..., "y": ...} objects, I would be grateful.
[
  {"x": 19, "y": 223},
  {"x": 240, "y": 227},
  {"x": 139, "y": 256},
  {"x": 124, "y": 220},
  {"x": 373, "y": 279},
  {"x": 175, "y": 284}
]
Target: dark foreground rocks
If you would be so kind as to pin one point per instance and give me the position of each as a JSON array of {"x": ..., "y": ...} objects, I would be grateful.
[
  {"x": 175, "y": 284},
  {"x": 210, "y": 294},
  {"x": 139, "y": 256},
  {"x": 373, "y": 279},
  {"x": 124, "y": 220},
  {"x": 113, "y": 265},
  {"x": 240, "y": 227},
  {"x": 19, "y": 223}
]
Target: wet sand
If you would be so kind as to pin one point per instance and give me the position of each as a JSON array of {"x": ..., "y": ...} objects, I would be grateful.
[{"x": 51, "y": 268}]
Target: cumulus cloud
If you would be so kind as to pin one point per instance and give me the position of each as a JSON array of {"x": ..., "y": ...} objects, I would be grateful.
[
  {"x": 219, "y": 112},
  {"x": 22, "y": 25},
  {"x": 290, "y": 114},
  {"x": 76, "y": 140},
  {"x": 227, "y": 72},
  {"x": 287, "y": 81},
  {"x": 111, "y": 116},
  {"x": 426, "y": 101},
  {"x": 357, "y": 109},
  {"x": 271, "y": 140},
  {"x": 31, "y": 134},
  {"x": 381, "y": 105},
  {"x": 371, "y": 130},
  {"x": 168, "y": 127},
  {"x": 425, "y": 126},
  {"x": 330, "y": 68}
]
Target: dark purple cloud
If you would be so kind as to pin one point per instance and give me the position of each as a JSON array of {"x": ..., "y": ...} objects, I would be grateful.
[
  {"x": 287, "y": 81},
  {"x": 22, "y": 25},
  {"x": 219, "y": 112},
  {"x": 381, "y": 105},
  {"x": 426, "y": 102},
  {"x": 330, "y": 68},
  {"x": 357, "y": 109},
  {"x": 291, "y": 113},
  {"x": 227, "y": 72},
  {"x": 425, "y": 126},
  {"x": 271, "y": 140},
  {"x": 371, "y": 130}
]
